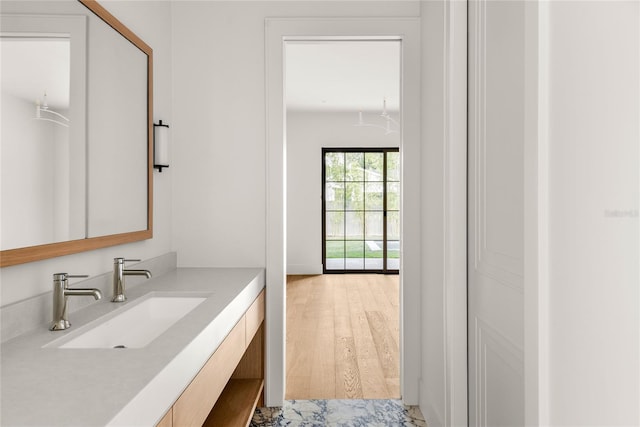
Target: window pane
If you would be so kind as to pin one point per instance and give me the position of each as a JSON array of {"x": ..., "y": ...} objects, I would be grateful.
[
  {"x": 393, "y": 225},
  {"x": 355, "y": 196},
  {"x": 335, "y": 249},
  {"x": 373, "y": 196},
  {"x": 334, "y": 196},
  {"x": 355, "y": 166},
  {"x": 374, "y": 163},
  {"x": 355, "y": 225},
  {"x": 393, "y": 255},
  {"x": 373, "y": 249},
  {"x": 335, "y": 225},
  {"x": 355, "y": 255},
  {"x": 354, "y": 263},
  {"x": 373, "y": 264},
  {"x": 334, "y": 166},
  {"x": 334, "y": 256},
  {"x": 373, "y": 227},
  {"x": 393, "y": 166},
  {"x": 334, "y": 263},
  {"x": 355, "y": 249},
  {"x": 393, "y": 196}
]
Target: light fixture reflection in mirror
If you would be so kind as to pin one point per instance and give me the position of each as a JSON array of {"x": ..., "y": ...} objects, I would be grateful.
[{"x": 43, "y": 112}]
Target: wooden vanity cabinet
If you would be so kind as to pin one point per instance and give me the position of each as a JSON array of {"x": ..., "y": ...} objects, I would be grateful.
[{"x": 230, "y": 384}]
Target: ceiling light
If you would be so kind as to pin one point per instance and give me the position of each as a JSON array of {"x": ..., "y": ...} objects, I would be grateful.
[
  {"x": 388, "y": 124},
  {"x": 43, "y": 112}
]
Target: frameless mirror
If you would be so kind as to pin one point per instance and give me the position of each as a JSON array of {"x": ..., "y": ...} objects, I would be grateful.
[{"x": 75, "y": 144}]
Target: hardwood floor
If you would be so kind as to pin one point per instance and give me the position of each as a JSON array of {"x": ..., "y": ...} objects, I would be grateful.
[{"x": 342, "y": 337}]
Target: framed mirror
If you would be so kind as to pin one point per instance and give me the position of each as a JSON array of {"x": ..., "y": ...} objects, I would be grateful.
[{"x": 77, "y": 135}]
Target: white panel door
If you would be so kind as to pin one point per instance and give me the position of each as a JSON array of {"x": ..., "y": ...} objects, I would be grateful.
[{"x": 496, "y": 213}]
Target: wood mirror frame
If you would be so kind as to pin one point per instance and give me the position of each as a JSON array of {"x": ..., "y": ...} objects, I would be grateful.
[{"x": 52, "y": 250}]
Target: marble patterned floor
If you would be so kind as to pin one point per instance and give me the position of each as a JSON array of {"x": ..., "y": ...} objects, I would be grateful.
[{"x": 339, "y": 413}]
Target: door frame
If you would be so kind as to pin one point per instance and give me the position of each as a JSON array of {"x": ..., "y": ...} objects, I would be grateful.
[
  {"x": 277, "y": 32},
  {"x": 383, "y": 150},
  {"x": 443, "y": 390}
]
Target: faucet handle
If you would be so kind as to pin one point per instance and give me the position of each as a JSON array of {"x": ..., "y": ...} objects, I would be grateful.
[
  {"x": 59, "y": 277},
  {"x": 65, "y": 276},
  {"x": 77, "y": 276},
  {"x": 122, "y": 260},
  {"x": 62, "y": 279}
]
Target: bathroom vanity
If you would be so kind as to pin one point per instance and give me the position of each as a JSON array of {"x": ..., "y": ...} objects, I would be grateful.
[
  {"x": 229, "y": 386},
  {"x": 207, "y": 368}
]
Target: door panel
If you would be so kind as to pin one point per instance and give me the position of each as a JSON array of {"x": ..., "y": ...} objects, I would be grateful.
[{"x": 496, "y": 213}]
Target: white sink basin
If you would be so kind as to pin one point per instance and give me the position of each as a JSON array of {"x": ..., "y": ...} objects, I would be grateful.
[{"x": 137, "y": 325}]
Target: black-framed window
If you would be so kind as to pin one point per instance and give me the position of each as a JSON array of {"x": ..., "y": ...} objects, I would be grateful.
[{"x": 360, "y": 210}]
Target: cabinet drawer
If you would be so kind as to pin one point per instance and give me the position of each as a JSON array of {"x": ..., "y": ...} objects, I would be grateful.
[
  {"x": 255, "y": 316},
  {"x": 195, "y": 403}
]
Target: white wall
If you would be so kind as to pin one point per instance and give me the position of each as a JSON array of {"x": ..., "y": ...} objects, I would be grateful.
[
  {"x": 594, "y": 134},
  {"x": 151, "y": 21},
  {"x": 307, "y": 134},
  {"x": 219, "y": 102}
]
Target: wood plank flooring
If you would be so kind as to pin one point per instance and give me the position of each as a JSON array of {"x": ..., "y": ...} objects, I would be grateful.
[{"x": 342, "y": 337}]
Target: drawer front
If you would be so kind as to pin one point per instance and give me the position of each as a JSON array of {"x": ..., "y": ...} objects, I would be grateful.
[
  {"x": 255, "y": 316},
  {"x": 195, "y": 403}
]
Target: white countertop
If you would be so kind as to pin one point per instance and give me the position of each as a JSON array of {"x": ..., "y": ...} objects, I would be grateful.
[{"x": 132, "y": 387}]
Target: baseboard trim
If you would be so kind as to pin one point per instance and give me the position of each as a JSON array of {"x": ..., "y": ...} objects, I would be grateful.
[{"x": 304, "y": 269}]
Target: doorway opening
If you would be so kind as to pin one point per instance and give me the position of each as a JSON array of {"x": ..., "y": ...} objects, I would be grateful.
[
  {"x": 281, "y": 33},
  {"x": 342, "y": 104},
  {"x": 361, "y": 210}
]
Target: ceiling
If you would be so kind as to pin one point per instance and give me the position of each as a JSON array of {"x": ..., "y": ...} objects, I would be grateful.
[{"x": 342, "y": 75}]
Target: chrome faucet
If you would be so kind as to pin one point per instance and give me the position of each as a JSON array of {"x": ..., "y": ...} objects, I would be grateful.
[
  {"x": 61, "y": 293},
  {"x": 118, "y": 277}
]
